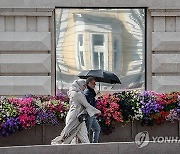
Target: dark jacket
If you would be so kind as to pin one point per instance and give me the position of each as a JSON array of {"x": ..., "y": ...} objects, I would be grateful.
[{"x": 90, "y": 95}]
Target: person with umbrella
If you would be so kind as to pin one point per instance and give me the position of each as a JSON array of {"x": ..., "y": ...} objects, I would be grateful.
[
  {"x": 100, "y": 75},
  {"x": 91, "y": 122},
  {"x": 75, "y": 119},
  {"x": 91, "y": 77}
]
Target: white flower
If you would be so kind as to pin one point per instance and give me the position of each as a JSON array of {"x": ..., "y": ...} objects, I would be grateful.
[
  {"x": 39, "y": 103},
  {"x": 7, "y": 114}
]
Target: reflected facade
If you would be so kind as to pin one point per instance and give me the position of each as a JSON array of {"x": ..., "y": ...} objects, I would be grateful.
[{"x": 107, "y": 39}]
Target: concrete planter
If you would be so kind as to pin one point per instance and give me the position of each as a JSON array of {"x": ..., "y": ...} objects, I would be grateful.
[
  {"x": 165, "y": 130},
  {"x": 43, "y": 134},
  {"x": 25, "y": 137},
  {"x": 120, "y": 133}
]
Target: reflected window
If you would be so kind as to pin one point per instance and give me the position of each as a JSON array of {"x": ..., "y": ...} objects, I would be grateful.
[
  {"x": 80, "y": 49},
  {"x": 81, "y": 58},
  {"x": 116, "y": 54},
  {"x": 98, "y": 51},
  {"x": 98, "y": 40}
]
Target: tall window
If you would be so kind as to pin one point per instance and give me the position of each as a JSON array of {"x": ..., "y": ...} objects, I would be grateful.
[
  {"x": 116, "y": 54},
  {"x": 98, "y": 51},
  {"x": 80, "y": 49}
]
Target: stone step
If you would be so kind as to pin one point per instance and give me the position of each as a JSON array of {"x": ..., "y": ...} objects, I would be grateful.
[{"x": 98, "y": 148}]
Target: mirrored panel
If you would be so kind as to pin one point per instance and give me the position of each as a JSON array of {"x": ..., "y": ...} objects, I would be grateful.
[{"x": 107, "y": 39}]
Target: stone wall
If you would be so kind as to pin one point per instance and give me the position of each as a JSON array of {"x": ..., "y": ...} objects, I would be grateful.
[{"x": 27, "y": 62}]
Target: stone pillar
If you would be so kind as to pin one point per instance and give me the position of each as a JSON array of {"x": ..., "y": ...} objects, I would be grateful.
[{"x": 166, "y": 50}]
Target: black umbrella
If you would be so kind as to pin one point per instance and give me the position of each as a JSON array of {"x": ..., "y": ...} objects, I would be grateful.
[{"x": 100, "y": 75}]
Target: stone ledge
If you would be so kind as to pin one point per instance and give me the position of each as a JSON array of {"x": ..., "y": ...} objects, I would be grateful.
[
  {"x": 26, "y": 14},
  {"x": 25, "y": 41},
  {"x": 163, "y": 63},
  {"x": 166, "y": 41},
  {"x": 165, "y": 83},
  {"x": 25, "y": 63},
  {"x": 24, "y": 85},
  {"x": 164, "y": 13}
]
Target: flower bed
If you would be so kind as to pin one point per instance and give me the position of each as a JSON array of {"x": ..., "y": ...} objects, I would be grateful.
[
  {"x": 24, "y": 113},
  {"x": 145, "y": 107}
]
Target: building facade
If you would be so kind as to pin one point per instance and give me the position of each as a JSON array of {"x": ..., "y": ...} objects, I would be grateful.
[{"x": 28, "y": 43}]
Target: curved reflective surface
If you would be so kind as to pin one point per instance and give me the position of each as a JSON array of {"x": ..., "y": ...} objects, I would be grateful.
[{"x": 108, "y": 39}]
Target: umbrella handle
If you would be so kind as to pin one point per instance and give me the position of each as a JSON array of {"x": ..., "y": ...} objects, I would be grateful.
[
  {"x": 113, "y": 86},
  {"x": 99, "y": 86}
]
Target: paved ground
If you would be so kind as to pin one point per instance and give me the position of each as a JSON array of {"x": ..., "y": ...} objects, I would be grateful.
[{"x": 105, "y": 148}]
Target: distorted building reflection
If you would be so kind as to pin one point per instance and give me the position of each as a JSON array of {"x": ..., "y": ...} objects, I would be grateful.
[{"x": 108, "y": 39}]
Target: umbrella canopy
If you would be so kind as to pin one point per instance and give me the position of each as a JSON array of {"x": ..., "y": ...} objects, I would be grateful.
[{"x": 100, "y": 75}]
